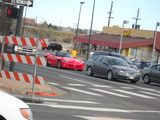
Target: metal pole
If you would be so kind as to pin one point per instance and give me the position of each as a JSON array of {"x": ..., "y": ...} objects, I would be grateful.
[
  {"x": 17, "y": 33},
  {"x": 78, "y": 24},
  {"x": 35, "y": 68},
  {"x": 2, "y": 50},
  {"x": 90, "y": 31},
  {"x": 120, "y": 44},
  {"x": 154, "y": 43}
]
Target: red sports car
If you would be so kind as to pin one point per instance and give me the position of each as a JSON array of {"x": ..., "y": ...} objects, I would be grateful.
[{"x": 64, "y": 60}]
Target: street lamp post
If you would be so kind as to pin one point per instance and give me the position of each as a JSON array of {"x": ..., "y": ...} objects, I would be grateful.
[
  {"x": 120, "y": 45},
  {"x": 90, "y": 31},
  {"x": 154, "y": 43},
  {"x": 78, "y": 24}
]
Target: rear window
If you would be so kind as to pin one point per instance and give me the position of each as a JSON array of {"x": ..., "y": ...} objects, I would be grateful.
[{"x": 99, "y": 53}]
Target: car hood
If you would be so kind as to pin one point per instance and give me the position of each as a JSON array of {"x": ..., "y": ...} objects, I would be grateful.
[
  {"x": 72, "y": 60},
  {"x": 124, "y": 68},
  {"x": 7, "y": 100}
]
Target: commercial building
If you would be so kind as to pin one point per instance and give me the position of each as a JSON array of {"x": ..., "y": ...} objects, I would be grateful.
[{"x": 135, "y": 43}]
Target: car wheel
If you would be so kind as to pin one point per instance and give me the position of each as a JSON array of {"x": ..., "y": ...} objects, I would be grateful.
[
  {"x": 59, "y": 64},
  {"x": 47, "y": 62},
  {"x": 146, "y": 79},
  {"x": 89, "y": 71},
  {"x": 110, "y": 75},
  {"x": 43, "y": 48},
  {"x": 2, "y": 118},
  {"x": 133, "y": 81}
]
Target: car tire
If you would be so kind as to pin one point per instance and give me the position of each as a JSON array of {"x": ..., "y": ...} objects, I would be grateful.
[
  {"x": 59, "y": 64},
  {"x": 146, "y": 79},
  {"x": 89, "y": 71},
  {"x": 43, "y": 48},
  {"x": 110, "y": 75},
  {"x": 47, "y": 64},
  {"x": 2, "y": 118}
]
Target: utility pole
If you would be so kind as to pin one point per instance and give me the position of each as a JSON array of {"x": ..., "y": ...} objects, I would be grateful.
[
  {"x": 136, "y": 26},
  {"x": 110, "y": 14}
]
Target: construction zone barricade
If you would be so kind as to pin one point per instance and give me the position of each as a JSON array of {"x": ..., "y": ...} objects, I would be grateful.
[{"x": 33, "y": 79}]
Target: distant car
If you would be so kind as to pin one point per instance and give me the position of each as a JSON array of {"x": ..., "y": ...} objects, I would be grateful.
[
  {"x": 21, "y": 49},
  {"x": 109, "y": 53},
  {"x": 112, "y": 68},
  {"x": 53, "y": 46},
  {"x": 11, "y": 108},
  {"x": 151, "y": 74},
  {"x": 64, "y": 60}
]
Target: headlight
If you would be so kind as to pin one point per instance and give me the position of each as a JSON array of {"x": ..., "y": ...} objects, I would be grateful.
[
  {"x": 26, "y": 113},
  {"x": 65, "y": 61},
  {"x": 34, "y": 50},
  {"x": 117, "y": 70},
  {"x": 19, "y": 48}
]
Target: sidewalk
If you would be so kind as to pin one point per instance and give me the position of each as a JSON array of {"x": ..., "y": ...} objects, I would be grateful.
[{"x": 18, "y": 87}]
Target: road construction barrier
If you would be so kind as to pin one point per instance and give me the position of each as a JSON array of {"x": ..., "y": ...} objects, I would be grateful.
[
  {"x": 23, "y": 41},
  {"x": 22, "y": 77},
  {"x": 23, "y": 59}
]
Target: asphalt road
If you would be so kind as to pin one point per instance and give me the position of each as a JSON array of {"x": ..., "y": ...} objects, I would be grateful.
[{"x": 94, "y": 98}]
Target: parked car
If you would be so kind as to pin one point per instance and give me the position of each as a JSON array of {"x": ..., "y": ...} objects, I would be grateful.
[
  {"x": 108, "y": 53},
  {"x": 112, "y": 68},
  {"x": 12, "y": 108},
  {"x": 151, "y": 74},
  {"x": 53, "y": 46},
  {"x": 64, "y": 60}
]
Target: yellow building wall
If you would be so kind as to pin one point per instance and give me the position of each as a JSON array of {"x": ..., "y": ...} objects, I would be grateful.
[{"x": 115, "y": 30}]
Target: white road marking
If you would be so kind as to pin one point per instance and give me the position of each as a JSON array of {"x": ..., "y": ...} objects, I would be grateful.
[
  {"x": 101, "y": 118},
  {"x": 150, "y": 93},
  {"x": 75, "y": 79},
  {"x": 111, "y": 93},
  {"x": 127, "y": 87},
  {"x": 71, "y": 107},
  {"x": 51, "y": 83},
  {"x": 82, "y": 91},
  {"x": 136, "y": 94},
  {"x": 75, "y": 84},
  {"x": 70, "y": 101},
  {"x": 102, "y": 86}
]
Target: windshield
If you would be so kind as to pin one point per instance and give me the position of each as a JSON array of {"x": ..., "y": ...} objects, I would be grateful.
[
  {"x": 67, "y": 55},
  {"x": 118, "y": 62}
]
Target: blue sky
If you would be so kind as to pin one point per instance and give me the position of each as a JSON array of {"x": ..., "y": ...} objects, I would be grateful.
[{"x": 65, "y": 13}]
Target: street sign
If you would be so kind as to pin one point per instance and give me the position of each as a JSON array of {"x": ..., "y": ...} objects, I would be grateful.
[{"x": 24, "y": 2}]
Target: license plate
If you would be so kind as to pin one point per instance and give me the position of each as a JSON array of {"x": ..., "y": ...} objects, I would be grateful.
[{"x": 131, "y": 77}]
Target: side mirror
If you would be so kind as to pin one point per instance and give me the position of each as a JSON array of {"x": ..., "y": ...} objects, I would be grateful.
[{"x": 74, "y": 57}]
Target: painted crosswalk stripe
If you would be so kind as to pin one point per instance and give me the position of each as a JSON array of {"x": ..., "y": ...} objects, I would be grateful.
[
  {"x": 51, "y": 83},
  {"x": 150, "y": 93},
  {"x": 75, "y": 84},
  {"x": 111, "y": 93},
  {"x": 102, "y": 86},
  {"x": 82, "y": 91},
  {"x": 135, "y": 94}
]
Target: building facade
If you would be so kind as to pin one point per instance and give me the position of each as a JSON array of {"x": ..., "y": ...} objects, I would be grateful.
[{"x": 135, "y": 43}]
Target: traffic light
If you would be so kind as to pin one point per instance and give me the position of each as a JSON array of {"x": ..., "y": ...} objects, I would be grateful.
[{"x": 12, "y": 12}]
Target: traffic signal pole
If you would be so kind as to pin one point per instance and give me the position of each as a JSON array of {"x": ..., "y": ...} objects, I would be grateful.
[{"x": 17, "y": 33}]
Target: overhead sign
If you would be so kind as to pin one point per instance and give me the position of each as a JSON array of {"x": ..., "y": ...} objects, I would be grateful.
[{"x": 24, "y": 2}]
